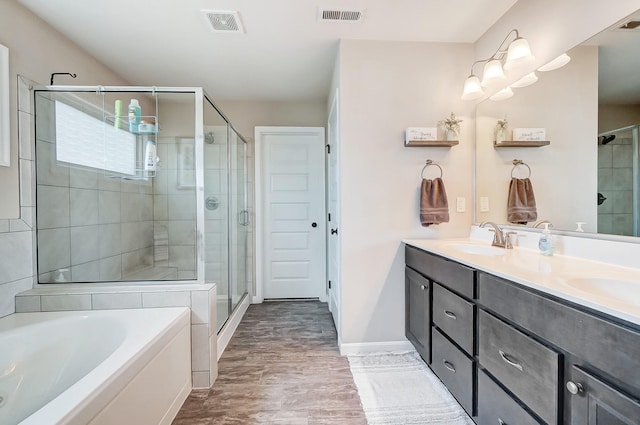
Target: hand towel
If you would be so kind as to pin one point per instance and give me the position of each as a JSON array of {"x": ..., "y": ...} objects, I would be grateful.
[
  {"x": 521, "y": 204},
  {"x": 434, "y": 208}
]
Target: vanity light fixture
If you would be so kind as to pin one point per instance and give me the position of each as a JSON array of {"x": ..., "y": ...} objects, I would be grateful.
[
  {"x": 525, "y": 81},
  {"x": 558, "y": 62},
  {"x": 503, "y": 94},
  {"x": 515, "y": 55}
]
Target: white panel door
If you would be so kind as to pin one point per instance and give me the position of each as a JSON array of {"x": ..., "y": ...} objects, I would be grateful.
[
  {"x": 333, "y": 207},
  {"x": 292, "y": 187}
]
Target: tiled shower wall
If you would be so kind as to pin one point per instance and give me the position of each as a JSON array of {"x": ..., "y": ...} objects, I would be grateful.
[
  {"x": 92, "y": 227},
  {"x": 615, "y": 182}
]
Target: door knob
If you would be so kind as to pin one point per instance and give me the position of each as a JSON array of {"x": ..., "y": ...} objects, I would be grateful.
[
  {"x": 314, "y": 224},
  {"x": 574, "y": 388},
  {"x": 334, "y": 231}
]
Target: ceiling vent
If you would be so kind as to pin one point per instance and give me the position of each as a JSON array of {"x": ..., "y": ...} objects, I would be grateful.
[
  {"x": 224, "y": 21},
  {"x": 337, "y": 15}
]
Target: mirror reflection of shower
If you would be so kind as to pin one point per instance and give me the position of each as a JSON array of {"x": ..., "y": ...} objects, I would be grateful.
[{"x": 619, "y": 182}]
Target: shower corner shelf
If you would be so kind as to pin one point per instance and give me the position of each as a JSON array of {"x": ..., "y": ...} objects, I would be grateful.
[
  {"x": 521, "y": 144},
  {"x": 430, "y": 143}
]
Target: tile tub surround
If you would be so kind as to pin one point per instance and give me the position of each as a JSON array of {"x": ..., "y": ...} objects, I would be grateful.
[
  {"x": 526, "y": 266},
  {"x": 200, "y": 298},
  {"x": 282, "y": 366}
]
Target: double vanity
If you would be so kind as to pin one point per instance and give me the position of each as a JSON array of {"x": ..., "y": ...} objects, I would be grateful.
[{"x": 519, "y": 338}]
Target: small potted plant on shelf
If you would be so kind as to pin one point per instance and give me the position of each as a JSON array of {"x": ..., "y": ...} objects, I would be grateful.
[
  {"x": 451, "y": 127},
  {"x": 500, "y": 130}
]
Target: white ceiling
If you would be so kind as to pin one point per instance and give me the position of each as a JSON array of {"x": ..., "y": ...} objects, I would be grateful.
[{"x": 285, "y": 54}]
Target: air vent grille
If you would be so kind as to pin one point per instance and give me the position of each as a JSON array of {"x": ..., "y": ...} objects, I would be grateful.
[
  {"x": 341, "y": 15},
  {"x": 224, "y": 21}
]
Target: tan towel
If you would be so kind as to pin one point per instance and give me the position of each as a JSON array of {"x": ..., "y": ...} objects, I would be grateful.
[
  {"x": 434, "y": 208},
  {"x": 521, "y": 205}
]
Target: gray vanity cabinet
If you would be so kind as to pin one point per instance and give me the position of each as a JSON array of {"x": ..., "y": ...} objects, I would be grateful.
[
  {"x": 512, "y": 355},
  {"x": 451, "y": 315},
  {"x": 417, "y": 312},
  {"x": 595, "y": 402}
]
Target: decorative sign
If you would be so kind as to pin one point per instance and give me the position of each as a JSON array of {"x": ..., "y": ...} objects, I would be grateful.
[
  {"x": 529, "y": 134},
  {"x": 421, "y": 133}
]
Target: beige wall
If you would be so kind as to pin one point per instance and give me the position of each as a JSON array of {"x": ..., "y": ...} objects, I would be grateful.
[
  {"x": 612, "y": 117},
  {"x": 35, "y": 51},
  {"x": 246, "y": 115},
  {"x": 563, "y": 174},
  {"x": 384, "y": 88}
]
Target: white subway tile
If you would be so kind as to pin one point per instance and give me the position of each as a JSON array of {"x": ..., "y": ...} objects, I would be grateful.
[
  {"x": 199, "y": 348},
  {"x": 16, "y": 256},
  {"x": 200, "y": 307},
  {"x": 27, "y": 180},
  {"x": 8, "y": 291},
  {"x": 66, "y": 302},
  {"x": 117, "y": 301},
  {"x": 24, "y": 135},
  {"x": 27, "y": 303},
  {"x": 166, "y": 299},
  {"x": 212, "y": 302},
  {"x": 200, "y": 380}
]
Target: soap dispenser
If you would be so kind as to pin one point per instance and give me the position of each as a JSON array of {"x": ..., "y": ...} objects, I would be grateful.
[{"x": 544, "y": 244}]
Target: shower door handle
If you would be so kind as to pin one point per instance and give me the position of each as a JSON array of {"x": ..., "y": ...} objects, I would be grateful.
[{"x": 243, "y": 218}]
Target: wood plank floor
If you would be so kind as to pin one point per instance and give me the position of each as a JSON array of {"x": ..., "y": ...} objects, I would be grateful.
[{"x": 282, "y": 366}]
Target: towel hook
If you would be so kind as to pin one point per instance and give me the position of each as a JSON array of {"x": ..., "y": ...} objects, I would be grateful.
[
  {"x": 517, "y": 162},
  {"x": 428, "y": 163}
]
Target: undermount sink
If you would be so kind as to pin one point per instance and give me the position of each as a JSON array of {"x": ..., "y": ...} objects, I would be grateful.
[
  {"x": 470, "y": 248},
  {"x": 627, "y": 291}
]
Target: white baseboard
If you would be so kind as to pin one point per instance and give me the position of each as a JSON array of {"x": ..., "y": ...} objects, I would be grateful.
[
  {"x": 375, "y": 347},
  {"x": 257, "y": 300},
  {"x": 232, "y": 324}
]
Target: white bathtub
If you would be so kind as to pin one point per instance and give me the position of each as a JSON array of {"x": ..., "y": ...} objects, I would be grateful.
[{"x": 94, "y": 367}]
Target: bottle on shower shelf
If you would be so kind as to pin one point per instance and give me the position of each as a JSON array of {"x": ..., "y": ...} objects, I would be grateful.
[{"x": 134, "y": 115}]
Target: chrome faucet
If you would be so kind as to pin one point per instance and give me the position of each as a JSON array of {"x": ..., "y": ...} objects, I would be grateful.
[
  {"x": 500, "y": 239},
  {"x": 541, "y": 222}
]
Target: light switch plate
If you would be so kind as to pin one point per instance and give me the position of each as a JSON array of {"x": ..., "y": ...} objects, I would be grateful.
[
  {"x": 460, "y": 204},
  {"x": 484, "y": 204}
]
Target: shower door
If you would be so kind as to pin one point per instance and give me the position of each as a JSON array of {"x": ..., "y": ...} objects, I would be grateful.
[{"x": 239, "y": 218}]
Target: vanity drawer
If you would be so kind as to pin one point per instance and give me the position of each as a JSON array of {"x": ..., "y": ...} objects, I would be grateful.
[
  {"x": 607, "y": 346},
  {"x": 496, "y": 407},
  {"x": 454, "y": 316},
  {"x": 524, "y": 366},
  {"x": 455, "y": 276},
  {"x": 454, "y": 369}
]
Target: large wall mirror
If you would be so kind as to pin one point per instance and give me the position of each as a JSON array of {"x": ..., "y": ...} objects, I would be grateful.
[{"x": 590, "y": 171}]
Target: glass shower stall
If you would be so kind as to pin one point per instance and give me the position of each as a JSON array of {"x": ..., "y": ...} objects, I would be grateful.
[{"x": 140, "y": 195}]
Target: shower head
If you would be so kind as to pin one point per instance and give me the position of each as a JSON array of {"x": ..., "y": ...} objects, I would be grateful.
[
  {"x": 208, "y": 138},
  {"x": 607, "y": 139}
]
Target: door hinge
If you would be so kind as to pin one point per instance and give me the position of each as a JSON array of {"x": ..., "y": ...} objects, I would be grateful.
[
  {"x": 329, "y": 214},
  {"x": 329, "y": 284},
  {"x": 328, "y": 148}
]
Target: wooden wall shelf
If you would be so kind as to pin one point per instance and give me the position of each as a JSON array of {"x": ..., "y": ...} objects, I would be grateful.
[
  {"x": 521, "y": 144},
  {"x": 428, "y": 143}
]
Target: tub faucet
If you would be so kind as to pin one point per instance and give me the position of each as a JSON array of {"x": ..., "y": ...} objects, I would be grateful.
[
  {"x": 500, "y": 239},
  {"x": 541, "y": 222}
]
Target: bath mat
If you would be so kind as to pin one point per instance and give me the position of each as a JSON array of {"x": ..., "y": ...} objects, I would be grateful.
[{"x": 399, "y": 389}]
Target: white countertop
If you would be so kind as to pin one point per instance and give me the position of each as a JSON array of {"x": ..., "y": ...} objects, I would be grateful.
[{"x": 557, "y": 275}]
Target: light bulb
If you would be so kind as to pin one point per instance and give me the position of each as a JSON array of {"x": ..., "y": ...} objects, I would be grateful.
[
  {"x": 493, "y": 73},
  {"x": 519, "y": 54}
]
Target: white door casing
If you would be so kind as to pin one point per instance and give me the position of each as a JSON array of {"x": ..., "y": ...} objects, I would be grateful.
[
  {"x": 333, "y": 207},
  {"x": 290, "y": 224}
]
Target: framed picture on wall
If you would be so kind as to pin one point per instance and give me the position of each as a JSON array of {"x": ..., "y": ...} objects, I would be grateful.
[
  {"x": 4, "y": 108},
  {"x": 186, "y": 165}
]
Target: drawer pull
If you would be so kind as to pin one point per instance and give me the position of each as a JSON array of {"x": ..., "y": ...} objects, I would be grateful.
[
  {"x": 507, "y": 360},
  {"x": 449, "y": 366},
  {"x": 450, "y": 314},
  {"x": 423, "y": 287},
  {"x": 574, "y": 388}
]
